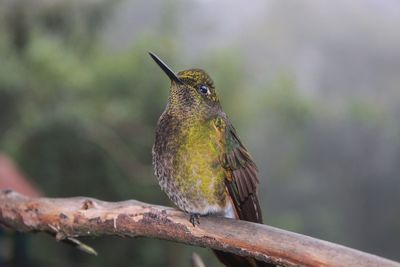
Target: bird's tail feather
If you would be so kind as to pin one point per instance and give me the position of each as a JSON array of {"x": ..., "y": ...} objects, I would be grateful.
[
  {"x": 232, "y": 260},
  {"x": 247, "y": 210}
]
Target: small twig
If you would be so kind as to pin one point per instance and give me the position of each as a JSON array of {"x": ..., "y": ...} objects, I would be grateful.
[
  {"x": 82, "y": 216},
  {"x": 60, "y": 236}
]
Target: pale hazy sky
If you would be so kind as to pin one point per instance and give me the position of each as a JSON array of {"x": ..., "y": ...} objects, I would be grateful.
[{"x": 325, "y": 45}]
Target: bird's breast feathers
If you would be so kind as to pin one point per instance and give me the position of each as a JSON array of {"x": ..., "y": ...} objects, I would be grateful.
[{"x": 197, "y": 178}]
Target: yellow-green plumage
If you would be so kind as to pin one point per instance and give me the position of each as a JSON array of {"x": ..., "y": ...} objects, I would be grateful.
[
  {"x": 199, "y": 159},
  {"x": 188, "y": 139},
  {"x": 198, "y": 172}
]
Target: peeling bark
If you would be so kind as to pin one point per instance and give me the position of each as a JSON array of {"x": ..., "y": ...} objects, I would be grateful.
[{"x": 69, "y": 218}]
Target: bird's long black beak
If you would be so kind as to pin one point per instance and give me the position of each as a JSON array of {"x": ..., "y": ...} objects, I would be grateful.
[{"x": 165, "y": 68}]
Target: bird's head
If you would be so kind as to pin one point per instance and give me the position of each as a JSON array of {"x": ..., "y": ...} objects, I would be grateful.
[{"x": 191, "y": 91}]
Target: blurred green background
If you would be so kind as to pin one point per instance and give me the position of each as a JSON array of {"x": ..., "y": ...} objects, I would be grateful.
[{"x": 311, "y": 86}]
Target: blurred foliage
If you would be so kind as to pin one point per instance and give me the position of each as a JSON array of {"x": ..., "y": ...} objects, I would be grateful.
[
  {"x": 79, "y": 119},
  {"x": 80, "y": 122}
]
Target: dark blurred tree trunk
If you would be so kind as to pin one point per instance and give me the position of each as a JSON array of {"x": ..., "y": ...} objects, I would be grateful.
[{"x": 18, "y": 26}]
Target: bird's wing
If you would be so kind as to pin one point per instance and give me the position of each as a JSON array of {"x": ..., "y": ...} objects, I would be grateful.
[
  {"x": 241, "y": 180},
  {"x": 241, "y": 173}
]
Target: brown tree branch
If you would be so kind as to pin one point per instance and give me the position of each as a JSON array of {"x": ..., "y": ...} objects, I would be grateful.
[{"x": 82, "y": 216}]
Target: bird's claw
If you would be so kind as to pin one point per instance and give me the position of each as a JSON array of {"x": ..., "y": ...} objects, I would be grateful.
[{"x": 194, "y": 219}]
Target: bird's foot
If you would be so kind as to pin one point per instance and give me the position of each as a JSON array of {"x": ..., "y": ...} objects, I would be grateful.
[{"x": 194, "y": 219}]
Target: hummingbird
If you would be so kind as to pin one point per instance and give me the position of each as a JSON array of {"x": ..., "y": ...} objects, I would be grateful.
[{"x": 199, "y": 159}]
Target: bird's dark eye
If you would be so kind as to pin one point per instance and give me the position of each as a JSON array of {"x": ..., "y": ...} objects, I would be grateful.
[{"x": 204, "y": 90}]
